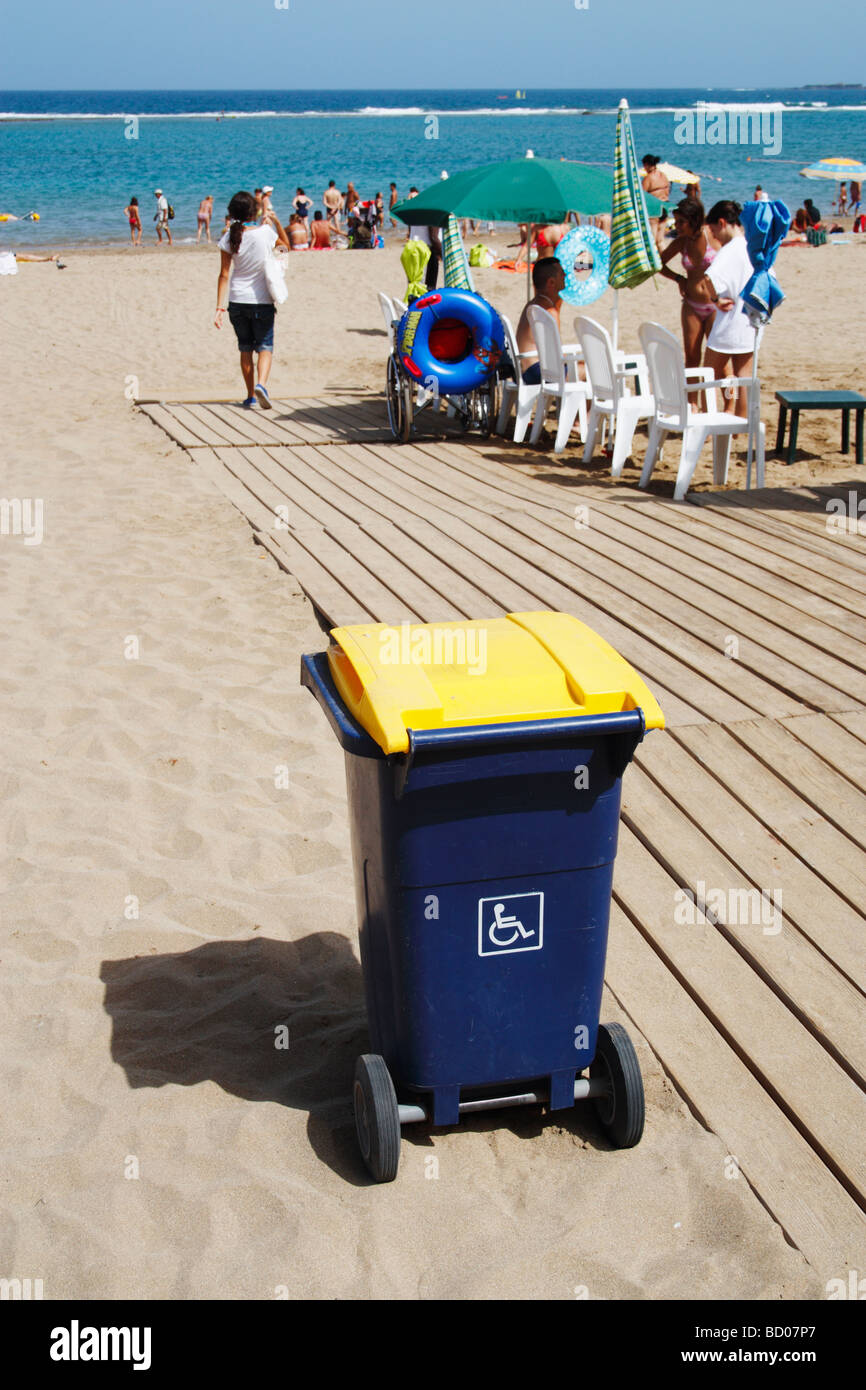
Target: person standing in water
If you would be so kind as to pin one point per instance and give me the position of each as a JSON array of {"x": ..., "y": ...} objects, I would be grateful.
[
  {"x": 242, "y": 289},
  {"x": 133, "y": 213},
  {"x": 205, "y": 213},
  {"x": 333, "y": 201},
  {"x": 161, "y": 217}
]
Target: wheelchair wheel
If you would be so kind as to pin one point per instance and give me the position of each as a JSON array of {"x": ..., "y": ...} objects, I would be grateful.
[{"x": 395, "y": 394}]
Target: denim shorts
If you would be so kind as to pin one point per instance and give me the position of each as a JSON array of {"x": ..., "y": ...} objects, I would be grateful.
[{"x": 254, "y": 326}]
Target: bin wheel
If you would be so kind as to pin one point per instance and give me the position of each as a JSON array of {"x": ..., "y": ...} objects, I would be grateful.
[
  {"x": 377, "y": 1117},
  {"x": 621, "y": 1112}
]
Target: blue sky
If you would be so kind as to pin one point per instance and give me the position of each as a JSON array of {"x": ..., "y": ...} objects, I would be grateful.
[{"x": 248, "y": 44}]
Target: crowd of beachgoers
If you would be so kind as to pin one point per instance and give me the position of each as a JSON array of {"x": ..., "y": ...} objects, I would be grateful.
[{"x": 345, "y": 219}]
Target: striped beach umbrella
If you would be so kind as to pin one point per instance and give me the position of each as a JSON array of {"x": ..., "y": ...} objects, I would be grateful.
[
  {"x": 634, "y": 256},
  {"x": 457, "y": 273},
  {"x": 840, "y": 169}
]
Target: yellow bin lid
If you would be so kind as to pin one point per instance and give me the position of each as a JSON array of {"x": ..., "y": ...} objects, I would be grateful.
[{"x": 487, "y": 671}]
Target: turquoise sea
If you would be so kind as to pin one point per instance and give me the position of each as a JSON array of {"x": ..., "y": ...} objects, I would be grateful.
[{"x": 77, "y": 157}]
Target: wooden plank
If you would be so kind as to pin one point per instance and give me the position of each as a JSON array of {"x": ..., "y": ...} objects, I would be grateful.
[
  {"x": 747, "y": 791},
  {"x": 306, "y": 476},
  {"x": 762, "y": 549},
  {"x": 180, "y": 433},
  {"x": 491, "y": 571},
  {"x": 241, "y": 464},
  {"x": 259, "y": 516},
  {"x": 833, "y": 549},
  {"x": 774, "y": 671},
  {"x": 337, "y": 421},
  {"x": 818, "y": 1097},
  {"x": 415, "y": 545},
  {"x": 373, "y": 554},
  {"x": 827, "y": 790},
  {"x": 259, "y": 426},
  {"x": 498, "y": 478},
  {"x": 368, "y": 592},
  {"x": 855, "y": 723},
  {"x": 684, "y": 551},
  {"x": 540, "y": 587},
  {"x": 836, "y": 745},
  {"x": 807, "y": 509},
  {"x": 337, "y": 605},
  {"x": 679, "y": 664},
  {"x": 801, "y": 675},
  {"x": 231, "y": 430},
  {"x": 213, "y": 433},
  {"x": 788, "y": 816},
  {"x": 342, "y": 493},
  {"x": 814, "y": 1211}
]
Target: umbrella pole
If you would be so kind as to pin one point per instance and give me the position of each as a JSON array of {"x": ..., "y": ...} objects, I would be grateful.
[
  {"x": 754, "y": 414},
  {"x": 529, "y": 227},
  {"x": 614, "y": 317}
]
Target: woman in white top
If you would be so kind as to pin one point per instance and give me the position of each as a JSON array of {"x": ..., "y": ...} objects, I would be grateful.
[
  {"x": 731, "y": 338},
  {"x": 243, "y": 288}
]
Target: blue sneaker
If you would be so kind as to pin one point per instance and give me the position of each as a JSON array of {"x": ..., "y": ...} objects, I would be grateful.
[
  {"x": 248, "y": 403},
  {"x": 264, "y": 398}
]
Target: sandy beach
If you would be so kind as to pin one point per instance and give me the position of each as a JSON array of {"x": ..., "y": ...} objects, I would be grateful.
[{"x": 167, "y": 907}]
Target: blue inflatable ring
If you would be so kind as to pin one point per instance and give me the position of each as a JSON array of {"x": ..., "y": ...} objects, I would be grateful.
[
  {"x": 597, "y": 242},
  {"x": 450, "y": 341}
]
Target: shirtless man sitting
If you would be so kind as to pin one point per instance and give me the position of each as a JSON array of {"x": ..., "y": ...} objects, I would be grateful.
[
  {"x": 548, "y": 281},
  {"x": 320, "y": 236}
]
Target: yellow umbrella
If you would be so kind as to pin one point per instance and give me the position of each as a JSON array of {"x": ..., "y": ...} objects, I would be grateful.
[
  {"x": 677, "y": 175},
  {"x": 836, "y": 167}
]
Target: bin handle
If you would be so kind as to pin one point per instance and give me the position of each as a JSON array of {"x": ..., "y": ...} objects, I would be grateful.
[
  {"x": 316, "y": 676},
  {"x": 478, "y": 736}
]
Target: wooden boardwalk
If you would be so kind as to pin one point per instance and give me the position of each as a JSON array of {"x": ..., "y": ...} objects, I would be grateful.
[{"x": 738, "y": 931}]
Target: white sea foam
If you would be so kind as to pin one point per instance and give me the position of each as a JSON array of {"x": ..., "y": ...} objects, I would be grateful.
[{"x": 397, "y": 112}]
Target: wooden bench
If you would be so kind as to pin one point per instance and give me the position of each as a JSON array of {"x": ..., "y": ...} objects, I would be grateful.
[{"x": 795, "y": 401}]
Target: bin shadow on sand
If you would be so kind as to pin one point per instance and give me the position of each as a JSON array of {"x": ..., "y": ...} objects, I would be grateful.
[{"x": 211, "y": 1014}]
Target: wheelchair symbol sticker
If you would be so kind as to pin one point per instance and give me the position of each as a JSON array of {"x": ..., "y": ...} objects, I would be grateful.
[{"x": 512, "y": 922}]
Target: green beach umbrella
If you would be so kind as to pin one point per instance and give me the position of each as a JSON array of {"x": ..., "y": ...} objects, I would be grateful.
[
  {"x": 528, "y": 190},
  {"x": 518, "y": 190},
  {"x": 634, "y": 255}
]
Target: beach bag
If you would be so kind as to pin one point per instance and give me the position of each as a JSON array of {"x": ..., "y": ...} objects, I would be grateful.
[
  {"x": 481, "y": 255},
  {"x": 275, "y": 275},
  {"x": 860, "y": 223},
  {"x": 170, "y": 213}
]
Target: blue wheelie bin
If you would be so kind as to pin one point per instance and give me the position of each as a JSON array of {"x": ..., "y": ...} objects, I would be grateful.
[{"x": 484, "y": 763}]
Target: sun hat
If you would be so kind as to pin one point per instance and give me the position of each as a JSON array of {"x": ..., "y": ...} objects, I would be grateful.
[
  {"x": 268, "y": 188},
  {"x": 157, "y": 193}
]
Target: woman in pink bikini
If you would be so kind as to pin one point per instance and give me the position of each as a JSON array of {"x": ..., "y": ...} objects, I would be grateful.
[{"x": 692, "y": 243}]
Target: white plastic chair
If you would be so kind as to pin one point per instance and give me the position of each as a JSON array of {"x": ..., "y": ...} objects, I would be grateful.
[
  {"x": 386, "y": 304},
  {"x": 555, "y": 385},
  {"x": 673, "y": 413},
  {"x": 525, "y": 396},
  {"x": 611, "y": 398}
]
